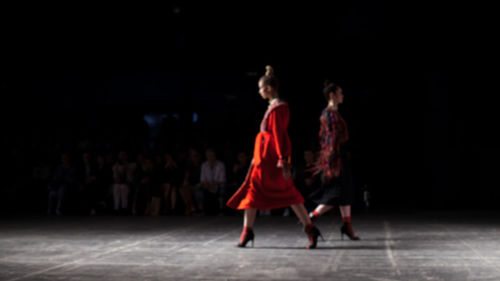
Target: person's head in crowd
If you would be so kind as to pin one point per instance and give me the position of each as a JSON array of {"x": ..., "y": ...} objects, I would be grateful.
[
  {"x": 210, "y": 155},
  {"x": 158, "y": 160},
  {"x": 242, "y": 158},
  {"x": 100, "y": 160},
  {"x": 86, "y": 158},
  {"x": 194, "y": 156},
  {"x": 65, "y": 159},
  {"x": 122, "y": 156},
  {"x": 308, "y": 156},
  {"x": 147, "y": 163},
  {"x": 140, "y": 158},
  {"x": 169, "y": 159}
]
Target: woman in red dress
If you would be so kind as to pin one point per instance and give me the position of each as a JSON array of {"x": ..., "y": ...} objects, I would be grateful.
[{"x": 268, "y": 184}]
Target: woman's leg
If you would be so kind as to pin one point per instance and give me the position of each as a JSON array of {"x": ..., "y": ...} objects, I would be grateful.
[
  {"x": 166, "y": 191},
  {"x": 124, "y": 195},
  {"x": 312, "y": 232},
  {"x": 155, "y": 205},
  {"x": 116, "y": 196},
  {"x": 247, "y": 233},
  {"x": 249, "y": 218},
  {"x": 186, "y": 196},
  {"x": 173, "y": 198},
  {"x": 301, "y": 213},
  {"x": 321, "y": 209},
  {"x": 345, "y": 212}
]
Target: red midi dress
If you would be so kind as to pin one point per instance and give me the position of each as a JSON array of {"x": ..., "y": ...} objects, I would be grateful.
[{"x": 264, "y": 186}]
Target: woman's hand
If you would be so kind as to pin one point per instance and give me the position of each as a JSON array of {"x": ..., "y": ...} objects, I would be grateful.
[{"x": 287, "y": 170}]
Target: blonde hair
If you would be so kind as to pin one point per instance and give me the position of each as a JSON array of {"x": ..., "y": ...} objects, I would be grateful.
[{"x": 269, "y": 70}]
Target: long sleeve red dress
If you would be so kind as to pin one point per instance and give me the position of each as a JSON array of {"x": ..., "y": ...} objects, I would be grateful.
[{"x": 264, "y": 186}]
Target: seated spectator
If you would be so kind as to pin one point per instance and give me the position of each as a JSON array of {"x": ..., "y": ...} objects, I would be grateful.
[
  {"x": 123, "y": 176},
  {"x": 63, "y": 180},
  {"x": 213, "y": 180},
  {"x": 86, "y": 181},
  {"x": 171, "y": 180},
  {"x": 192, "y": 177},
  {"x": 142, "y": 197},
  {"x": 104, "y": 179}
]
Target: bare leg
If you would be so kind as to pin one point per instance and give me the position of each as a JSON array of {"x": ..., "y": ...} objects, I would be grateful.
[
  {"x": 116, "y": 196},
  {"x": 345, "y": 211},
  {"x": 311, "y": 231},
  {"x": 249, "y": 217},
  {"x": 186, "y": 196},
  {"x": 166, "y": 191},
  {"x": 155, "y": 206},
  {"x": 321, "y": 209},
  {"x": 173, "y": 199},
  {"x": 301, "y": 213},
  {"x": 199, "y": 197},
  {"x": 247, "y": 233}
]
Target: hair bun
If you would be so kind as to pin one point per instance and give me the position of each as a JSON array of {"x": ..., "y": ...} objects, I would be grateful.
[{"x": 269, "y": 70}]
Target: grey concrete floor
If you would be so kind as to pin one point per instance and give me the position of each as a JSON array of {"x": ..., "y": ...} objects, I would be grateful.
[{"x": 430, "y": 246}]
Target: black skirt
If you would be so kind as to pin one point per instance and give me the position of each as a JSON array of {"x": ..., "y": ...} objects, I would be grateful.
[{"x": 337, "y": 191}]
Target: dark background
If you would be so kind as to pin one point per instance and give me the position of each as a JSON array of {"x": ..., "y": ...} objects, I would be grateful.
[{"x": 92, "y": 73}]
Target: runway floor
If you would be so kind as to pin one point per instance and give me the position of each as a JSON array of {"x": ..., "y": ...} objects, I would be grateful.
[{"x": 411, "y": 246}]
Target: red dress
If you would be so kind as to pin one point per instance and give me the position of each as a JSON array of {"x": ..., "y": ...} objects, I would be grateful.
[{"x": 264, "y": 186}]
